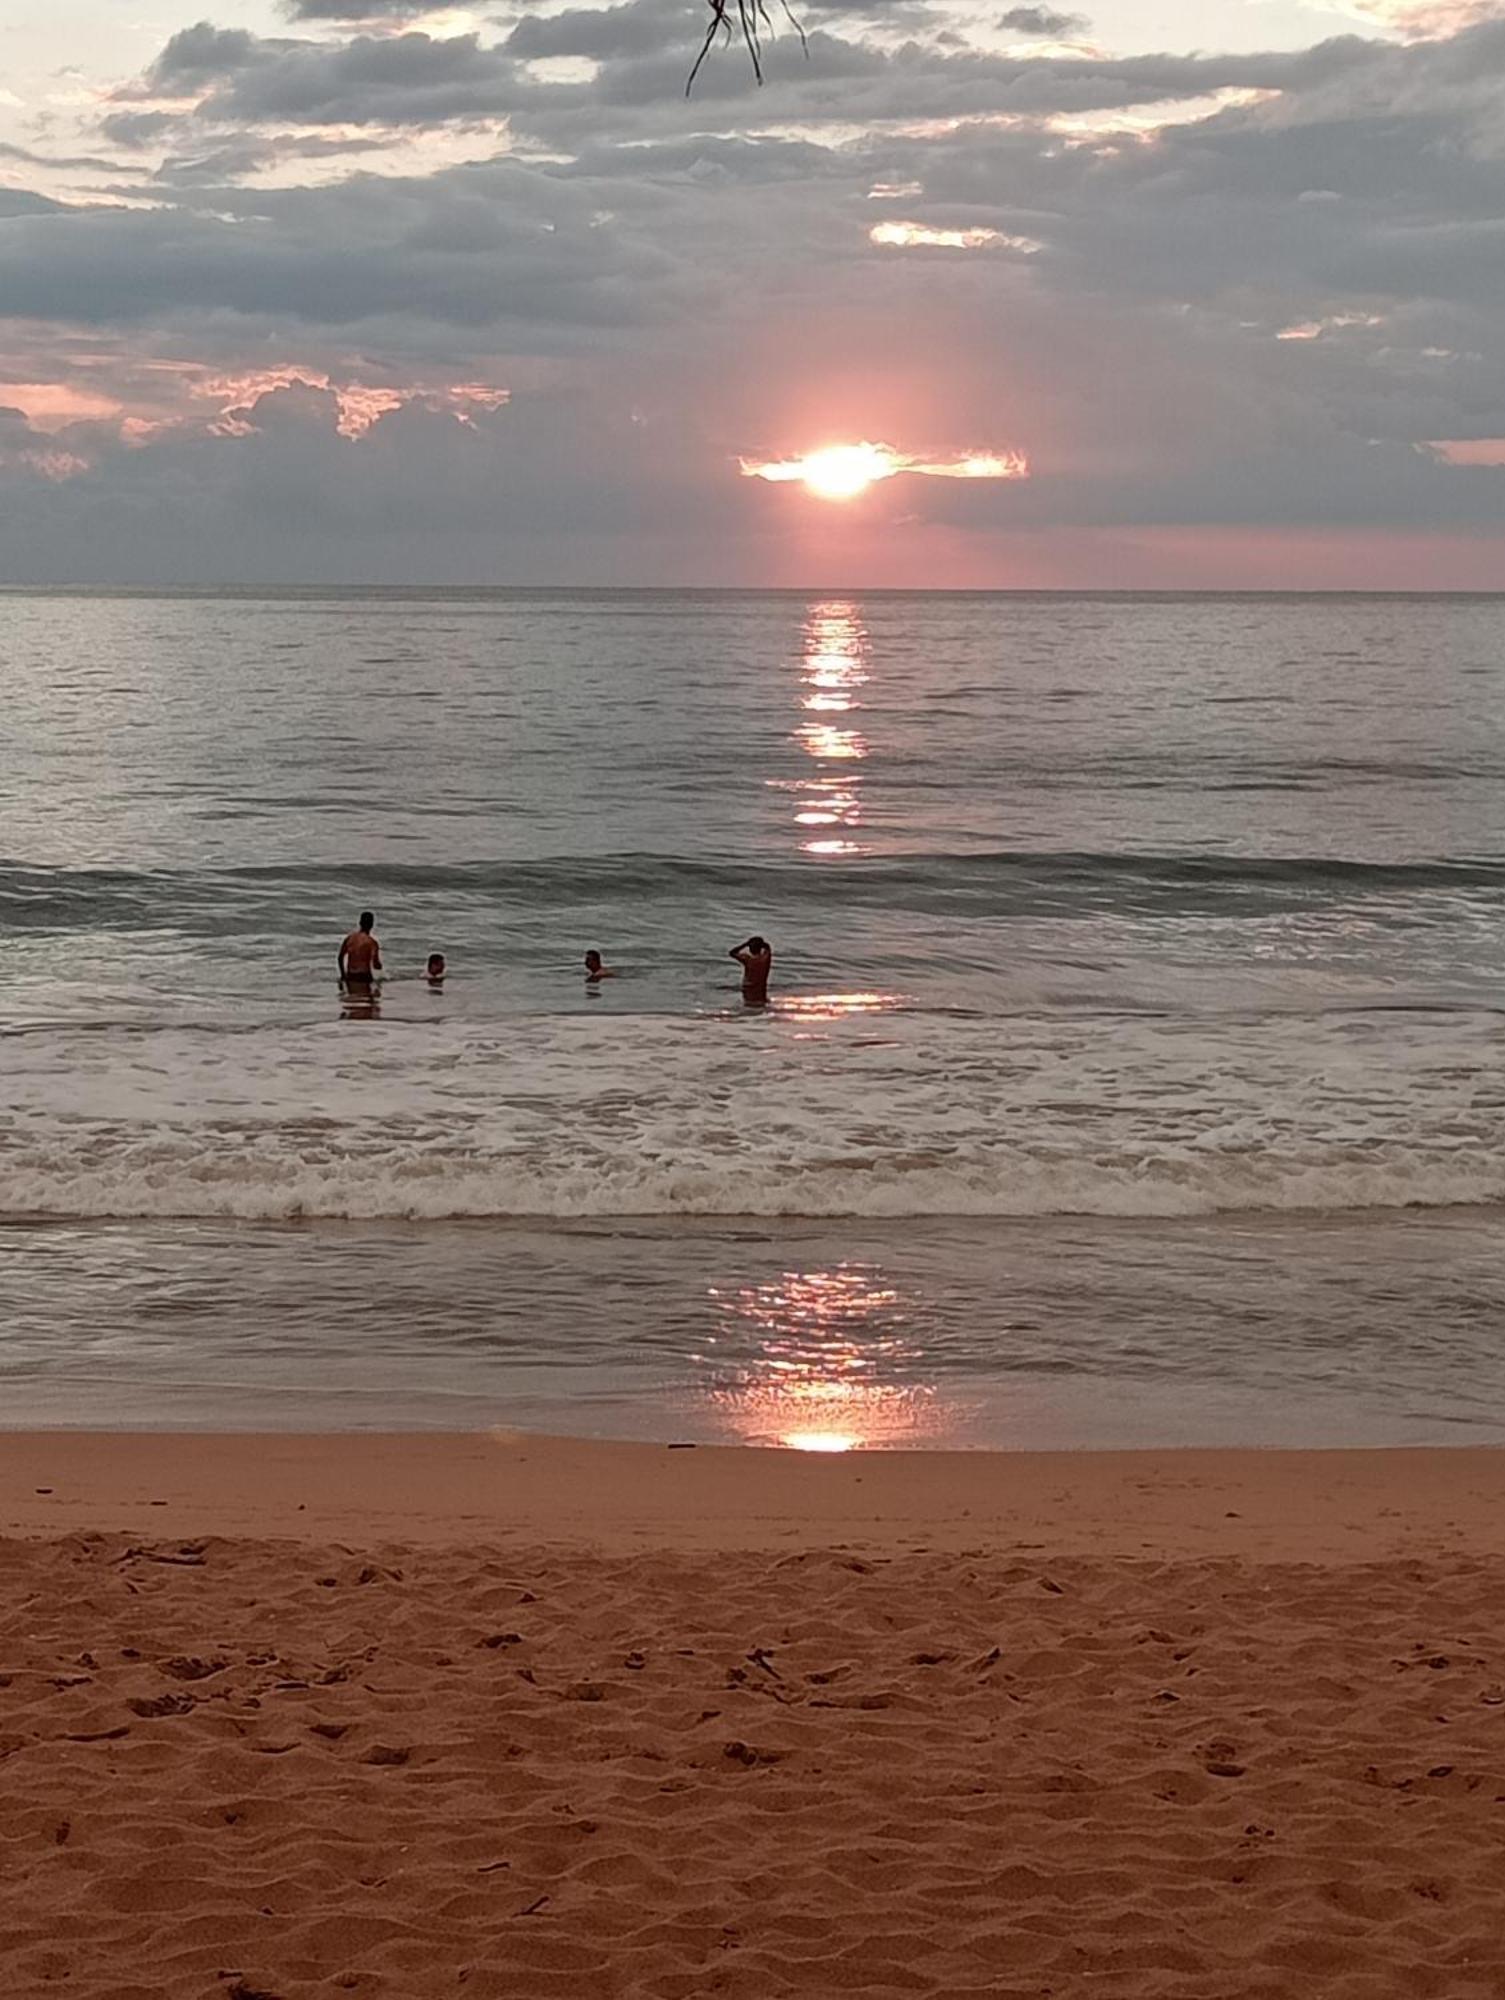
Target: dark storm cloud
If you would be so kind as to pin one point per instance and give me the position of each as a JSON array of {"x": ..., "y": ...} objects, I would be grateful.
[{"x": 1045, "y": 22}]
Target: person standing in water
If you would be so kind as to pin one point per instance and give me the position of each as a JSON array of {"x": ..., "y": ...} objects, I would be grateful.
[
  {"x": 756, "y": 959},
  {"x": 595, "y": 971},
  {"x": 360, "y": 957}
]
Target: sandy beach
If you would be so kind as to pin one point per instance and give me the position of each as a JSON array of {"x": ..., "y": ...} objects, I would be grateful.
[{"x": 510, "y": 1716}]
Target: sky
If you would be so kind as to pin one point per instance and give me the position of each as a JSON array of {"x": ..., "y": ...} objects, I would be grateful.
[{"x": 1148, "y": 295}]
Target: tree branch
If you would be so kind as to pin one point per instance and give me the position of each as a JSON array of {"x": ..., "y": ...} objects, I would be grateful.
[{"x": 752, "y": 20}]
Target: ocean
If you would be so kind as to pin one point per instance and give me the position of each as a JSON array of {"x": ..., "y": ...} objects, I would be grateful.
[{"x": 1132, "y": 1074}]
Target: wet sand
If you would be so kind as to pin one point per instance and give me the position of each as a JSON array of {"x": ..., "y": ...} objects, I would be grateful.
[{"x": 493, "y": 1716}]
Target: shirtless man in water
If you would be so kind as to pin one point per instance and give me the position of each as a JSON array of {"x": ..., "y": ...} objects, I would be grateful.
[
  {"x": 756, "y": 959},
  {"x": 360, "y": 957}
]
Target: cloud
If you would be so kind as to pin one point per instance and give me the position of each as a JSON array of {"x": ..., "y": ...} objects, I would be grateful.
[
  {"x": 1046, "y": 22},
  {"x": 644, "y": 27},
  {"x": 637, "y": 59},
  {"x": 232, "y": 77},
  {"x": 478, "y": 248},
  {"x": 200, "y": 54},
  {"x": 407, "y": 79},
  {"x": 22, "y": 202},
  {"x": 139, "y": 128},
  {"x": 362, "y": 10},
  {"x": 25, "y": 156},
  {"x": 219, "y": 163},
  {"x": 457, "y": 493},
  {"x": 1230, "y": 289},
  {"x": 1428, "y": 19}
]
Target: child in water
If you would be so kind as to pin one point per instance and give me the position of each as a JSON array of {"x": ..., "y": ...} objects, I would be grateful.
[
  {"x": 595, "y": 970},
  {"x": 436, "y": 968}
]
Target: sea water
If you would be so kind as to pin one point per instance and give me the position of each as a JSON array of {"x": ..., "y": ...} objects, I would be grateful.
[{"x": 1132, "y": 1073}]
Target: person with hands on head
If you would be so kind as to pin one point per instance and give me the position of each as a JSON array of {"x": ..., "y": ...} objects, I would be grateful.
[{"x": 756, "y": 959}]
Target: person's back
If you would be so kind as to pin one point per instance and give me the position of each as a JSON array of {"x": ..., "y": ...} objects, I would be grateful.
[
  {"x": 756, "y": 959},
  {"x": 360, "y": 954}
]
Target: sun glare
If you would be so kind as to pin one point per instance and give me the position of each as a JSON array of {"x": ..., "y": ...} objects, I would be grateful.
[
  {"x": 842, "y": 471},
  {"x": 820, "y": 1441},
  {"x": 846, "y": 471}
]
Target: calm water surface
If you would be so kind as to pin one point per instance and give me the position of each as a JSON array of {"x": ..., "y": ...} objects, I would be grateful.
[{"x": 1133, "y": 1073}]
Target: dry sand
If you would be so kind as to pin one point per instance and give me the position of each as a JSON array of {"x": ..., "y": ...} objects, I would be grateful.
[{"x": 492, "y": 1716}]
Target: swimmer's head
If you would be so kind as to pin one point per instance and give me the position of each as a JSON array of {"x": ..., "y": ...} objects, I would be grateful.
[
  {"x": 436, "y": 965},
  {"x": 593, "y": 961},
  {"x": 367, "y": 920}
]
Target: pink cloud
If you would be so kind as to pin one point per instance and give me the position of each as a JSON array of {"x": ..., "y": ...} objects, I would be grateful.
[
  {"x": 52, "y": 406},
  {"x": 1471, "y": 451},
  {"x": 55, "y": 465},
  {"x": 360, "y": 404}
]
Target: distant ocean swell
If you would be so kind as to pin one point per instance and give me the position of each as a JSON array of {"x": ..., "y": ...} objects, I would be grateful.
[{"x": 1005, "y": 881}]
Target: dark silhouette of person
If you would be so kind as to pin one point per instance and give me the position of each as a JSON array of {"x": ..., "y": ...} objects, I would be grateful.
[
  {"x": 360, "y": 957},
  {"x": 756, "y": 959}
]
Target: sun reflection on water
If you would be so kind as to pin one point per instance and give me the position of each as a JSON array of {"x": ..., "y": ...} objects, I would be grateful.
[
  {"x": 833, "y": 1005},
  {"x": 821, "y": 1361},
  {"x": 822, "y": 740},
  {"x": 833, "y": 669}
]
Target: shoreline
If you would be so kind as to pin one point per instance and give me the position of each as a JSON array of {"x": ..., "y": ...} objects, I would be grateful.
[
  {"x": 466, "y": 1488},
  {"x": 1292, "y": 1331}
]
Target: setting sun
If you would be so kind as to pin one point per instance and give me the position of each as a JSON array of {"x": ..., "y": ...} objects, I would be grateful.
[
  {"x": 845, "y": 471},
  {"x": 835, "y": 472},
  {"x": 842, "y": 471}
]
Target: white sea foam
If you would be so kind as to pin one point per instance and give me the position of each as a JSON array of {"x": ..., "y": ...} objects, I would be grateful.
[{"x": 860, "y": 1115}]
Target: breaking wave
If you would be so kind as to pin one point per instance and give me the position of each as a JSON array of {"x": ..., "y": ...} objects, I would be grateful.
[
  {"x": 910, "y": 1115},
  {"x": 278, "y": 1182}
]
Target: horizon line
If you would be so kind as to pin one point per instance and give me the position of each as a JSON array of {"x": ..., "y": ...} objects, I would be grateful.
[{"x": 227, "y": 589}]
